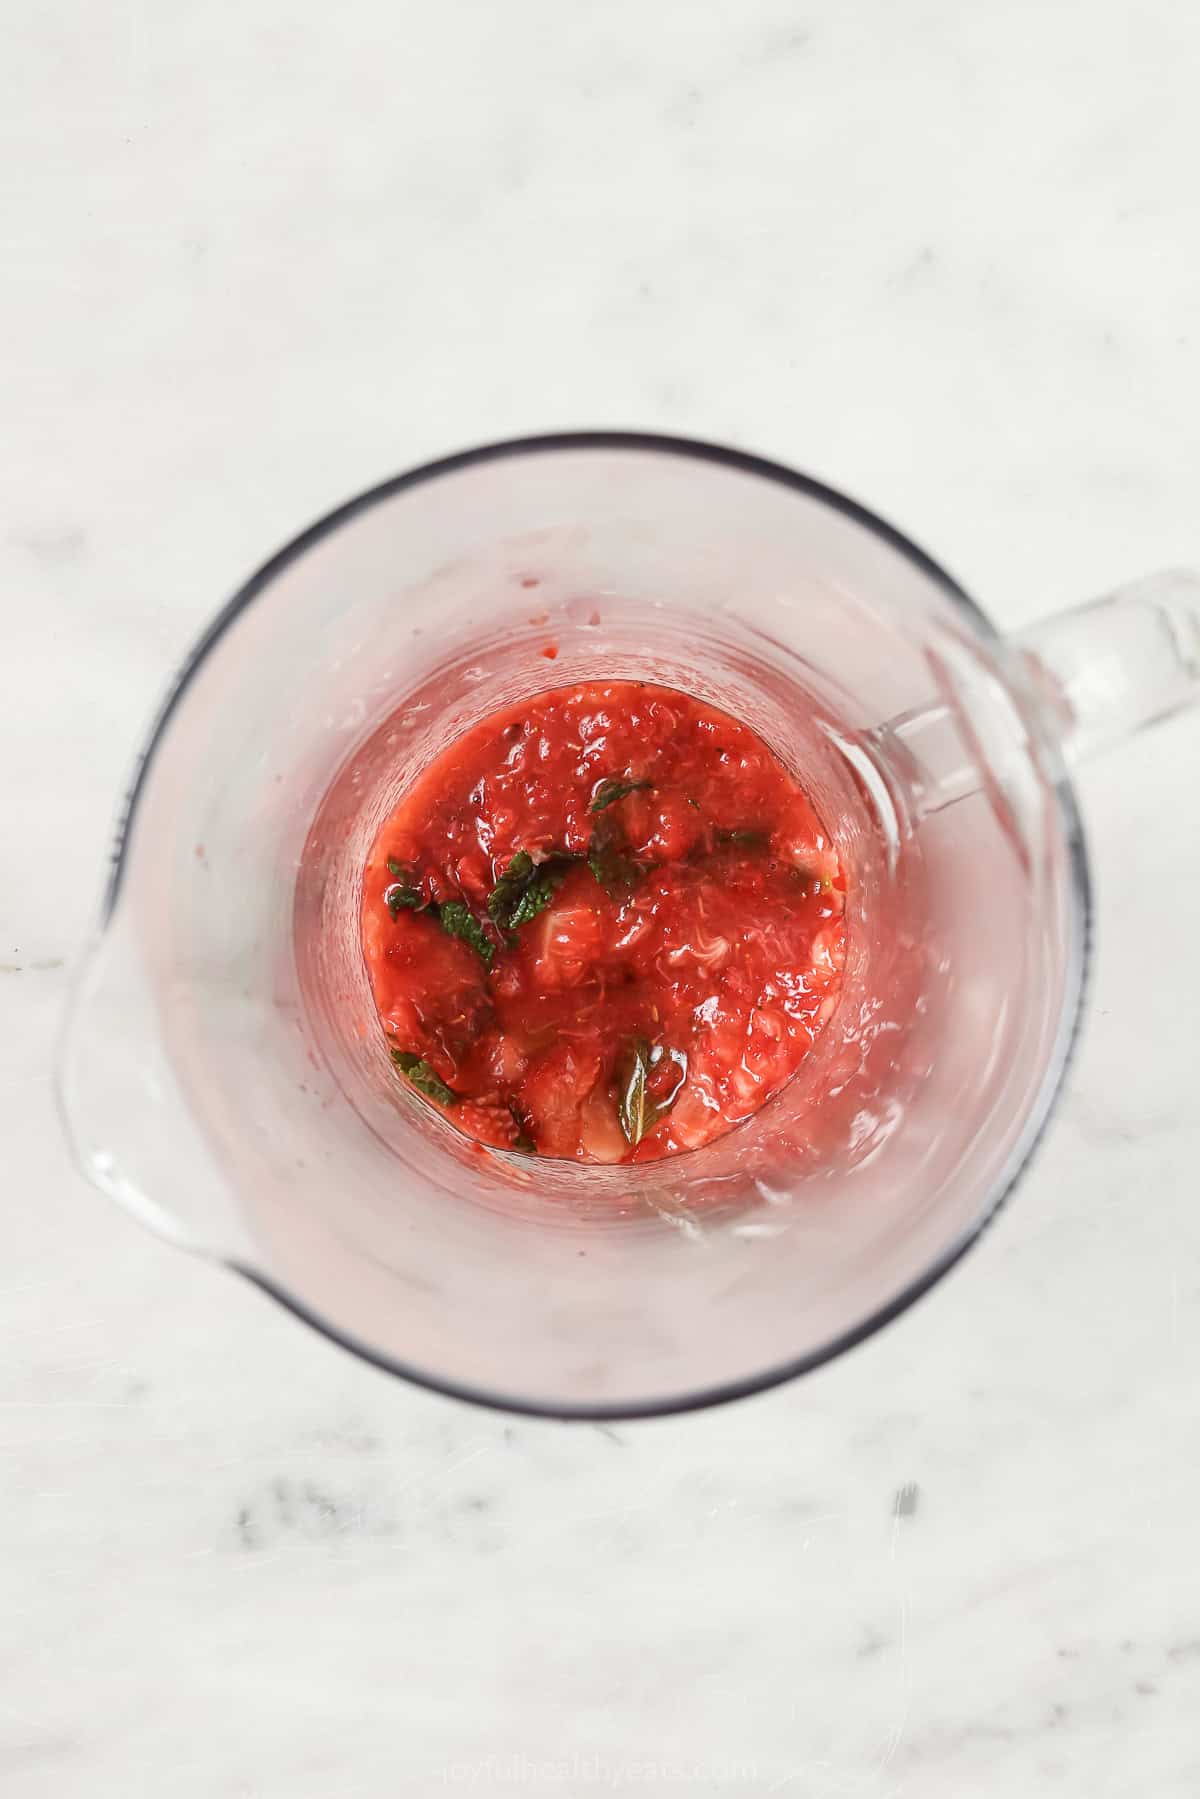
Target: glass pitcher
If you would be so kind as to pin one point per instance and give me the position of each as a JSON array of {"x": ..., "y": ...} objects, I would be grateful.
[{"x": 223, "y": 1074}]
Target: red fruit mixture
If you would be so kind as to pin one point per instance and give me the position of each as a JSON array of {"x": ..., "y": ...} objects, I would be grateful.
[{"x": 604, "y": 925}]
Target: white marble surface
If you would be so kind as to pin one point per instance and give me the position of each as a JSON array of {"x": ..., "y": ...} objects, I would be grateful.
[{"x": 945, "y": 256}]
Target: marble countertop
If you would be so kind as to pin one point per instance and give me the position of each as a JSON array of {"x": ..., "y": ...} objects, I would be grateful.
[{"x": 945, "y": 257}]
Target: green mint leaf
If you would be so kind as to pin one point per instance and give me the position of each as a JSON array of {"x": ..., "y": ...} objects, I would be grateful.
[
  {"x": 523, "y": 1143},
  {"x": 417, "y": 1070},
  {"x": 506, "y": 895},
  {"x": 608, "y": 860},
  {"x": 399, "y": 898},
  {"x": 637, "y": 1110},
  {"x": 614, "y": 789},
  {"x": 527, "y": 887},
  {"x": 748, "y": 838},
  {"x": 537, "y": 896},
  {"x": 456, "y": 921},
  {"x": 403, "y": 895},
  {"x": 634, "y": 1109},
  {"x": 616, "y": 872}
]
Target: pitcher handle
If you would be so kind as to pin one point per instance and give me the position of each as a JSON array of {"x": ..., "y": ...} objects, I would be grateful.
[{"x": 1107, "y": 669}]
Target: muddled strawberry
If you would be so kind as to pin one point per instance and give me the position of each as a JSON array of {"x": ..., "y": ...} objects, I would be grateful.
[{"x": 606, "y": 923}]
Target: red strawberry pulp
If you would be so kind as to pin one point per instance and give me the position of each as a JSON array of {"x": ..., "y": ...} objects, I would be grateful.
[{"x": 606, "y": 925}]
